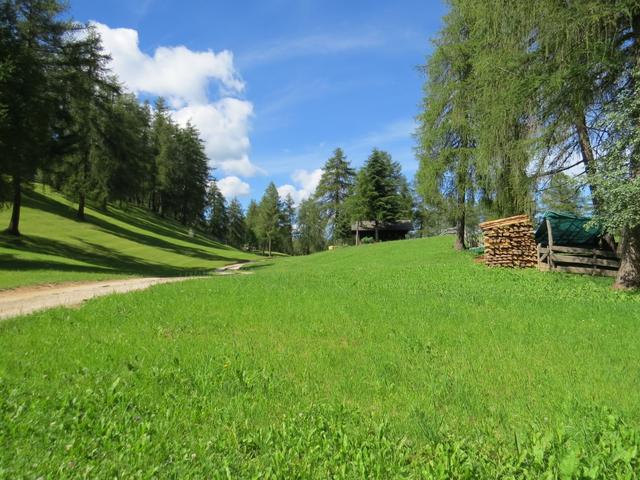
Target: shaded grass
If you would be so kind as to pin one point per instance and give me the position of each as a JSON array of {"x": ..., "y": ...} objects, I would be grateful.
[
  {"x": 56, "y": 247},
  {"x": 399, "y": 359}
]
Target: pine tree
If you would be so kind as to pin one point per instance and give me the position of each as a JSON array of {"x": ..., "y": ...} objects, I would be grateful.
[
  {"x": 218, "y": 223},
  {"x": 336, "y": 185},
  {"x": 252, "y": 222},
  {"x": 378, "y": 198},
  {"x": 237, "y": 231},
  {"x": 270, "y": 217},
  {"x": 33, "y": 42},
  {"x": 287, "y": 222}
]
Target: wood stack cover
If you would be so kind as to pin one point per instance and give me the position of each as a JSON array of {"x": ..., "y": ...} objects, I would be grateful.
[{"x": 510, "y": 242}]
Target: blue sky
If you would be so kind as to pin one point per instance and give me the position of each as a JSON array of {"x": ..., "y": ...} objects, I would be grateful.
[{"x": 276, "y": 85}]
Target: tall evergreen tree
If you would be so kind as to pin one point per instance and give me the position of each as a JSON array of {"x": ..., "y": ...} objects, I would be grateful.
[
  {"x": 336, "y": 185},
  {"x": 237, "y": 231},
  {"x": 218, "y": 223},
  {"x": 270, "y": 217},
  {"x": 252, "y": 222},
  {"x": 287, "y": 222},
  {"x": 377, "y": 191},
  {"x": 311, "y": 226},
  {"x": 445, "y": 178},
  {"x": 34, "y": 38}
]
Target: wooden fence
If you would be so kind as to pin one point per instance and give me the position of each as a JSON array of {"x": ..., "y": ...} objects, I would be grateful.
[
  {"x": 587, "y": 261},
  {"x": 578, "y": 260}
]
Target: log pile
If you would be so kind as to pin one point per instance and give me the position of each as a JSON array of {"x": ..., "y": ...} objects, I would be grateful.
[{"x": 510, "y": 242}]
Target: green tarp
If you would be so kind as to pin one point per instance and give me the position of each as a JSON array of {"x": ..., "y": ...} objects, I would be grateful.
[{"x": 568, "y": 230}]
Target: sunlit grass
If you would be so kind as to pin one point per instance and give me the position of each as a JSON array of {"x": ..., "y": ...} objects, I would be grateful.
[
  {"x": 399, "y": 359},
  {"x": 55, "y": 247}
]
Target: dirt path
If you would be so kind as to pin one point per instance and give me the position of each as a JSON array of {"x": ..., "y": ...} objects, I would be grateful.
[{"x": 25, "y": 300}]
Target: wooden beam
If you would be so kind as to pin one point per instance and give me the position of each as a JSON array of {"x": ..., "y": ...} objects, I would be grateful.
[
  {"x": 585, "y": 260},
  {"x": 582, "y": 251},
  {"x": 550, "y": 240},
  {"x": 586, "y": 271}
]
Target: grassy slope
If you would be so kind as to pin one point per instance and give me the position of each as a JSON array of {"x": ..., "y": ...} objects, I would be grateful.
[
  {"x": 391, "y": 359},
  {"x": 55, "y": 247}
]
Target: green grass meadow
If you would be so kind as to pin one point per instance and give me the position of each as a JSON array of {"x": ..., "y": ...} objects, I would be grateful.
[
  {"x": 395, "y": 360},
  {"x": 56, "y": 247}
]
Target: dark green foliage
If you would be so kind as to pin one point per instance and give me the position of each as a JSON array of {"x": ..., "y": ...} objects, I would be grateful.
[
  {"x": 380, "y": 191},
  {"x": 237, "y": 229},
  {"x": 32, "y": 78},
  {"x": 269, "y": 225},
  {"x": 218, "y": 223},
  {"x": 287, "y": 222},
  {"x": 311, "y": 227},
  {"x": 252, "y": 220},
  {"x": 335, "y": 187}
]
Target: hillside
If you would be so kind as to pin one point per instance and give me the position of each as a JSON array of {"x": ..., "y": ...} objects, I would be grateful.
[
  {"x": 55, "y": 247},
  {"x": 404, "y": 359}
]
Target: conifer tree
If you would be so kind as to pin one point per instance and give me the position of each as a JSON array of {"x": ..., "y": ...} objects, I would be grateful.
[
  {"x": 336, "y": 185},
  {"x": 377, "y": 191},
  {"x": 270, "y": 217},
  {"x": 237, "y": 230},
  {"x": 34, "y": 38},
  {"x": 288, "y": 220},
  {"x": 218, "y": 223},
  {"x": 311, "y": 226}
]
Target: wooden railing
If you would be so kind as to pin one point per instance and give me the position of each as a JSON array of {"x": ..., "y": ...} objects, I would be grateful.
[{"x": 578, "y": 260}]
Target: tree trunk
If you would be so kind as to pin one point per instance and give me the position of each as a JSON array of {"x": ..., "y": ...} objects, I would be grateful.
[
  {"x": 629, "y": 273},
  {"x": 588, "y": 157},
  {"x": 269, "y": 247},
  {"x": 357, "y": 233},
  {"x": 81, "y": 202},
  {"x": 461, "y": 221},
  {"x": 460, "y": 227},
  {"x": 376, "y": 231},
  {"x": 14, "y": 223}
]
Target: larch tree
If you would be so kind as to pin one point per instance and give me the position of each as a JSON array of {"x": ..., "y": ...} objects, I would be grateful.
[{"x": 446, "y": 141}]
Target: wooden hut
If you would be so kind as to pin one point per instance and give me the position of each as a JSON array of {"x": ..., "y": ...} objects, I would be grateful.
[
  {"x": 386, "y": 230},
  {"x": 566, "y": 243}
]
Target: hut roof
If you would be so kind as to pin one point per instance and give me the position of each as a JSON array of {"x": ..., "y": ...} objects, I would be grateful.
[{"x": 568, "y": 230}]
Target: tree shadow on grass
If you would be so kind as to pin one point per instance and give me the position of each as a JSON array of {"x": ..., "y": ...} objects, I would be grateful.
[
  {"x": 97, "y": 258},
  {"x": 44, "y": 203}
]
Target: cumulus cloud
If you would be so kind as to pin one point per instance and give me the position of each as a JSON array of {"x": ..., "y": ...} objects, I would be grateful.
[
  {"x": 184, "y": 78},
  {"x": 233, "y": 187},
  {"x": 305, "y": 182}
]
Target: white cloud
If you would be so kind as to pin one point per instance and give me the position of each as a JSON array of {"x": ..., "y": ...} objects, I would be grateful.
[
  {"x": 306, "y": 183},
  {"x": 233, "y": 187},
  {"x": 184, "y": 77},
  {"x": 224, "y": 127}
]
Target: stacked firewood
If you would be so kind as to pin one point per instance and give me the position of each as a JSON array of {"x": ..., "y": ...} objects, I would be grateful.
[{"x": 510, "y": 242}]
